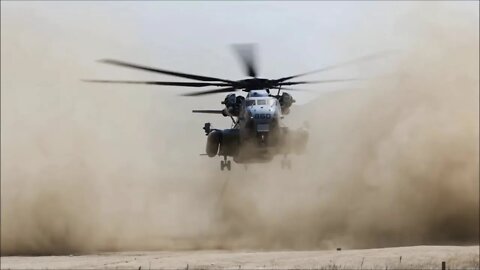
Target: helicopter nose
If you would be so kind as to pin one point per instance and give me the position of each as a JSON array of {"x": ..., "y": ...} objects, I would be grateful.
[{"x": 263, "y": 121}]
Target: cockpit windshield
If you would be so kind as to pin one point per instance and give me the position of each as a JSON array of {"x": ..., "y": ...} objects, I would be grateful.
[
  {"x": 269, "y": 102},
  {"x": 261, "y": 102}
]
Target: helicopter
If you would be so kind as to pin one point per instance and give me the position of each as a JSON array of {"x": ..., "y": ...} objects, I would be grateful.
[{"x": 257, "y": 133}]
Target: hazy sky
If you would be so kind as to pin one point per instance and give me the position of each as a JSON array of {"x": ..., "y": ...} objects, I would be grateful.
[{"x": 194, "y": 37}]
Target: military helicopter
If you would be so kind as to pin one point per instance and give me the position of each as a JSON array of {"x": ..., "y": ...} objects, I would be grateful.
[{"x": 257, "y": 133}]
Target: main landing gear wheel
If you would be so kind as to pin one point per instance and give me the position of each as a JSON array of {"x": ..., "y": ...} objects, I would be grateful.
[{"x": 227, "y": 164}]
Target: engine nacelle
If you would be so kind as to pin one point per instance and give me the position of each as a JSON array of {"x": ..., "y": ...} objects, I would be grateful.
[
  {"x": 286, "y": 100},
  {"x": 213, "y": 142},
  {"x": 230, "y": 100},
  {"x": 232, "y": 105}
]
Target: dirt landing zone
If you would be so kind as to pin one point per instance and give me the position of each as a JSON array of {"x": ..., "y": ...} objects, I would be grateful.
[{"x": 418, "y": 257}]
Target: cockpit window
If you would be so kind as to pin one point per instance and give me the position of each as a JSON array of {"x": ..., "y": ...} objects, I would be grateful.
[
  {"x": 261, "y": 102},
  {"x": 272, "y": 102},
  {"x": 269, "y": 102}
]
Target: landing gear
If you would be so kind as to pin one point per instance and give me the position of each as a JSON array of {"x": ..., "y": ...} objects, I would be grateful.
[
  {"x": 225, "y": 163},
  {"x": 286, "y": 163}
]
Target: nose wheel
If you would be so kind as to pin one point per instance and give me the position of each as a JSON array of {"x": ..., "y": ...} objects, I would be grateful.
[{"x": 225, "y": 164}]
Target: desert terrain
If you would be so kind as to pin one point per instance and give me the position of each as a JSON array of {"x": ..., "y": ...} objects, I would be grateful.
[{"x": 418, "y": 257}]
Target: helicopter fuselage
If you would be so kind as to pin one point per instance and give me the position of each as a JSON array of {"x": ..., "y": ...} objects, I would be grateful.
[{"x": 258, "y": 133}]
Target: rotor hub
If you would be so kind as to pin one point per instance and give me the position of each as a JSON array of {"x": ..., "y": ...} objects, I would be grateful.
[{"x": 254, "y": 84}]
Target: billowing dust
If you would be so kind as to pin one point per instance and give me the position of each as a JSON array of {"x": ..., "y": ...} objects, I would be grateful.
[{"x": 393, "y": 161}]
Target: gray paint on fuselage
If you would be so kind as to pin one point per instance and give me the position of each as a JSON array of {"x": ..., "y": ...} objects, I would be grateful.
[{"x": 263, "y": 112}]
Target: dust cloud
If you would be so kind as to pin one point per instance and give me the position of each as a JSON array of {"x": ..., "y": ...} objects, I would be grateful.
[{"x": 395, "y": 161}]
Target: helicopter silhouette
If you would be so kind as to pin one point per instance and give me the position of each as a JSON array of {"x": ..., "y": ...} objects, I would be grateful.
[{"x": 257, "y": 133}]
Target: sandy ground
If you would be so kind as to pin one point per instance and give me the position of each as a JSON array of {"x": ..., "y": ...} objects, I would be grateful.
[{"x": 417, "y": 257}]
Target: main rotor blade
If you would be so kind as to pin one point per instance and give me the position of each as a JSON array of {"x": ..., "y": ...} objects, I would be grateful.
[
  {"x": 247, "y": 55},
  {"x": 320, "y": 81},
  {"x": 208, "y": 111},
  {"x": 221, "y": 90},
  {"x": 162, "y": 71},
  {"x": 295, "y": 89},
  {"x": 187, "y": 84},
  {"x": 354, "y": 61}
]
